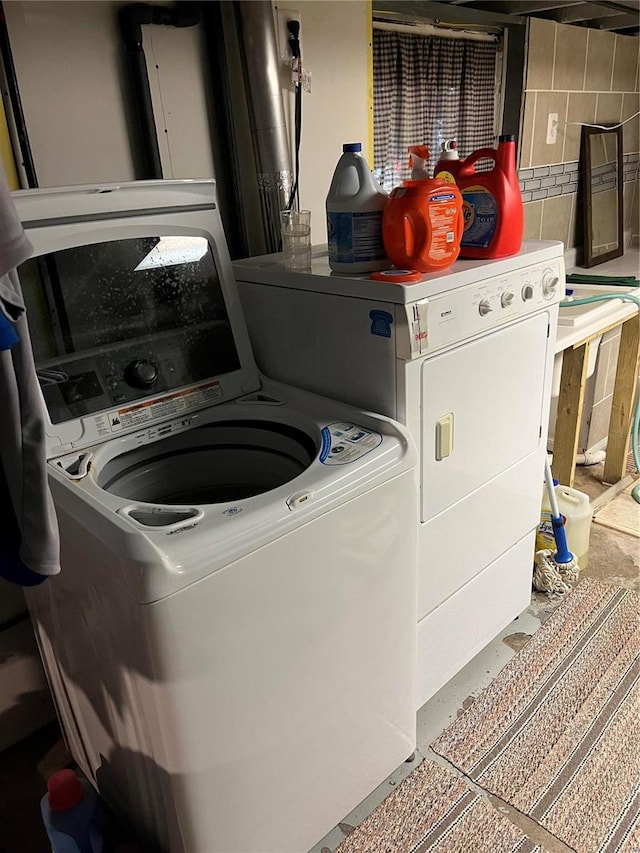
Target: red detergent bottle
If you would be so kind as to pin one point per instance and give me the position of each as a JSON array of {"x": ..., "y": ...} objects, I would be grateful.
[{"x": 491, "y": 203}]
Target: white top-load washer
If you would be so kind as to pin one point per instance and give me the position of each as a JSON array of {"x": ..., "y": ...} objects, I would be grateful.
[
  {"x": 230, "y": 643},
  {"x": 464, "y": 358}
]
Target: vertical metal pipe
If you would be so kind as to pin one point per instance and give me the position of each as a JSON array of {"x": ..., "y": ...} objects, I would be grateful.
[
  {"x": 266, "y": 112},
  {"x": 145, "y": 119}
]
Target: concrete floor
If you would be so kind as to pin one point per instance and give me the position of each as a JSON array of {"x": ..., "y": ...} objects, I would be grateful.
[{"x": 614, "y": 556}]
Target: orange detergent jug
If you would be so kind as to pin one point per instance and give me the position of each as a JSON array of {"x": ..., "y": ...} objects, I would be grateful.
[
  {"x": 422, "y": 225},
  {"x": 491, "y": 203}
]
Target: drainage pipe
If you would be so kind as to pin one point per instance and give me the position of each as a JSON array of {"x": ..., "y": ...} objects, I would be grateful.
[
  {"x": 130, "y": 19},
  {"x": 591, "y": 457},
  {"x": 266, "y": 112}
]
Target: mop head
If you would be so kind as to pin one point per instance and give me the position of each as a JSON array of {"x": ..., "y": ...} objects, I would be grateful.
[{"x": 552, "y": 577}]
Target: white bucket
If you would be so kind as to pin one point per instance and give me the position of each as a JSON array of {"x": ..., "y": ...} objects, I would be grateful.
[{"x": 576, "y": 509}]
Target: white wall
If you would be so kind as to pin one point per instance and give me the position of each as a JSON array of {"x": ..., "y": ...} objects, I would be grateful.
[
  {"x": 334, "y": 35},
  {"x": 177, "y": 69},
  {"x": 71, "y": 73},
  {"x": 69, "y": 62}
]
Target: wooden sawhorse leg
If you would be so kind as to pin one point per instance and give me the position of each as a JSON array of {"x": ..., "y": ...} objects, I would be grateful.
[
  {"x": 622, "y": 404},
  {"x": 570, "y": 404}
]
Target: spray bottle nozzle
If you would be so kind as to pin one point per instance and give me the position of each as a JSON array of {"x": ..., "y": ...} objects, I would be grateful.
[
  {"x": 419, "y": 151},
  {"x": 418, "y": 156}
]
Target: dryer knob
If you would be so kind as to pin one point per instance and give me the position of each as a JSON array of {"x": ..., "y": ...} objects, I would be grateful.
[
  {"x": 549, "y": 284},
  {"x": 527, "y": 292},
  {"x": 484, "y": 306},
  {"x": 141, "y": 373}
]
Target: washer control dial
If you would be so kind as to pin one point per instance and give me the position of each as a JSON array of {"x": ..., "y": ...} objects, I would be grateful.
[
  {"x": 506, "y": 299},
  {"x": 484, "y": 306},
  {"x": 527, "y": 292},
  {"x": 141, "y": 373}
]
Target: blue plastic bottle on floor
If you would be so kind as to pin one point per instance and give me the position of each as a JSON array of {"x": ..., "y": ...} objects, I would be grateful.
[{"x": 72, "y": 815}]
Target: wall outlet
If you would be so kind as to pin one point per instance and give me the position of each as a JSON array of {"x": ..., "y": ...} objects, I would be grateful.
[{"x": 552, "y": 128}]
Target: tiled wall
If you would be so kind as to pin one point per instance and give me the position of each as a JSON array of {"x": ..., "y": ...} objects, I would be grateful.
[
  {"x": 585, "y": 76},
  {"x": 548, "y": 181}
]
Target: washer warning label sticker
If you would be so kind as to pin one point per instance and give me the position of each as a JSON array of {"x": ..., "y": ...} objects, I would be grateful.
[
  {"x": 345, "y": 442},
  {"x": 154, "y": 410}
]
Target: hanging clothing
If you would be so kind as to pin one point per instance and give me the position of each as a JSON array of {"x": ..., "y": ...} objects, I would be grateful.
[{"x": 29, "y": 544}]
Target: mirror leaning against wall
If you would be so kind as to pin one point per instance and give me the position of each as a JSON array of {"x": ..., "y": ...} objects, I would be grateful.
[{"x": 601, "y": 175}]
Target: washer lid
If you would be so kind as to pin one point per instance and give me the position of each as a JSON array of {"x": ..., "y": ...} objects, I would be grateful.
[{"x": 132, "y": 306}]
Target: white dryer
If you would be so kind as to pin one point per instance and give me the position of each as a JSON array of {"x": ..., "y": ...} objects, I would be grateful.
[
  {"x": 230, "y": 642},
  {"x": 464, "y": 358}
]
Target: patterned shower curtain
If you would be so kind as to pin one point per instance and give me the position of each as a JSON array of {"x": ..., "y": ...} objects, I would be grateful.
[{"x": 426, "y": 90}]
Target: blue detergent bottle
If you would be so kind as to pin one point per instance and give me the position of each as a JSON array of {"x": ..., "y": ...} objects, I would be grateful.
[{"x": 72, "y": 815}]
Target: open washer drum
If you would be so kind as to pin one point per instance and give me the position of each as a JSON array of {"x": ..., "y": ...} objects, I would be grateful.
[{"x": 237, "y": 595}]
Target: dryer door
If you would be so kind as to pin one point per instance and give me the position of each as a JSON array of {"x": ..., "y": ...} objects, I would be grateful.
[{"x": 482, "y": 411}]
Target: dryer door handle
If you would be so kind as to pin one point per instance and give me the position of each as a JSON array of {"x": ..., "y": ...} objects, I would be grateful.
[{"x": 444, "y": 436}]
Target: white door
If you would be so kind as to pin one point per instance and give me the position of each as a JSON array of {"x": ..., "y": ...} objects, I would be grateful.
[{"x": 482, "y": 406}]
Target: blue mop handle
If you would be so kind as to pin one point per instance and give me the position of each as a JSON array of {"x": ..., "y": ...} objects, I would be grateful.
[{"x": 563, "y": 554}]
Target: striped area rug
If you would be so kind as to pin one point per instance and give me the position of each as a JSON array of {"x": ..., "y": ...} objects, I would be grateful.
[
  {"x": 557, "y": 733},
  {"x": 434, "y": 811}
]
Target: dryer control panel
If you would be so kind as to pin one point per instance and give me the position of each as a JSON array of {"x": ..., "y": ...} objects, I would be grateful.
[{"x": 462, "y": 313}]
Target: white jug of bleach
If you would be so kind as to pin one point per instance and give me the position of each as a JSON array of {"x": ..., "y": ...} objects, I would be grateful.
[
  {"x": 354, "y": 216},
  {"x": 575, "y": 507}
]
